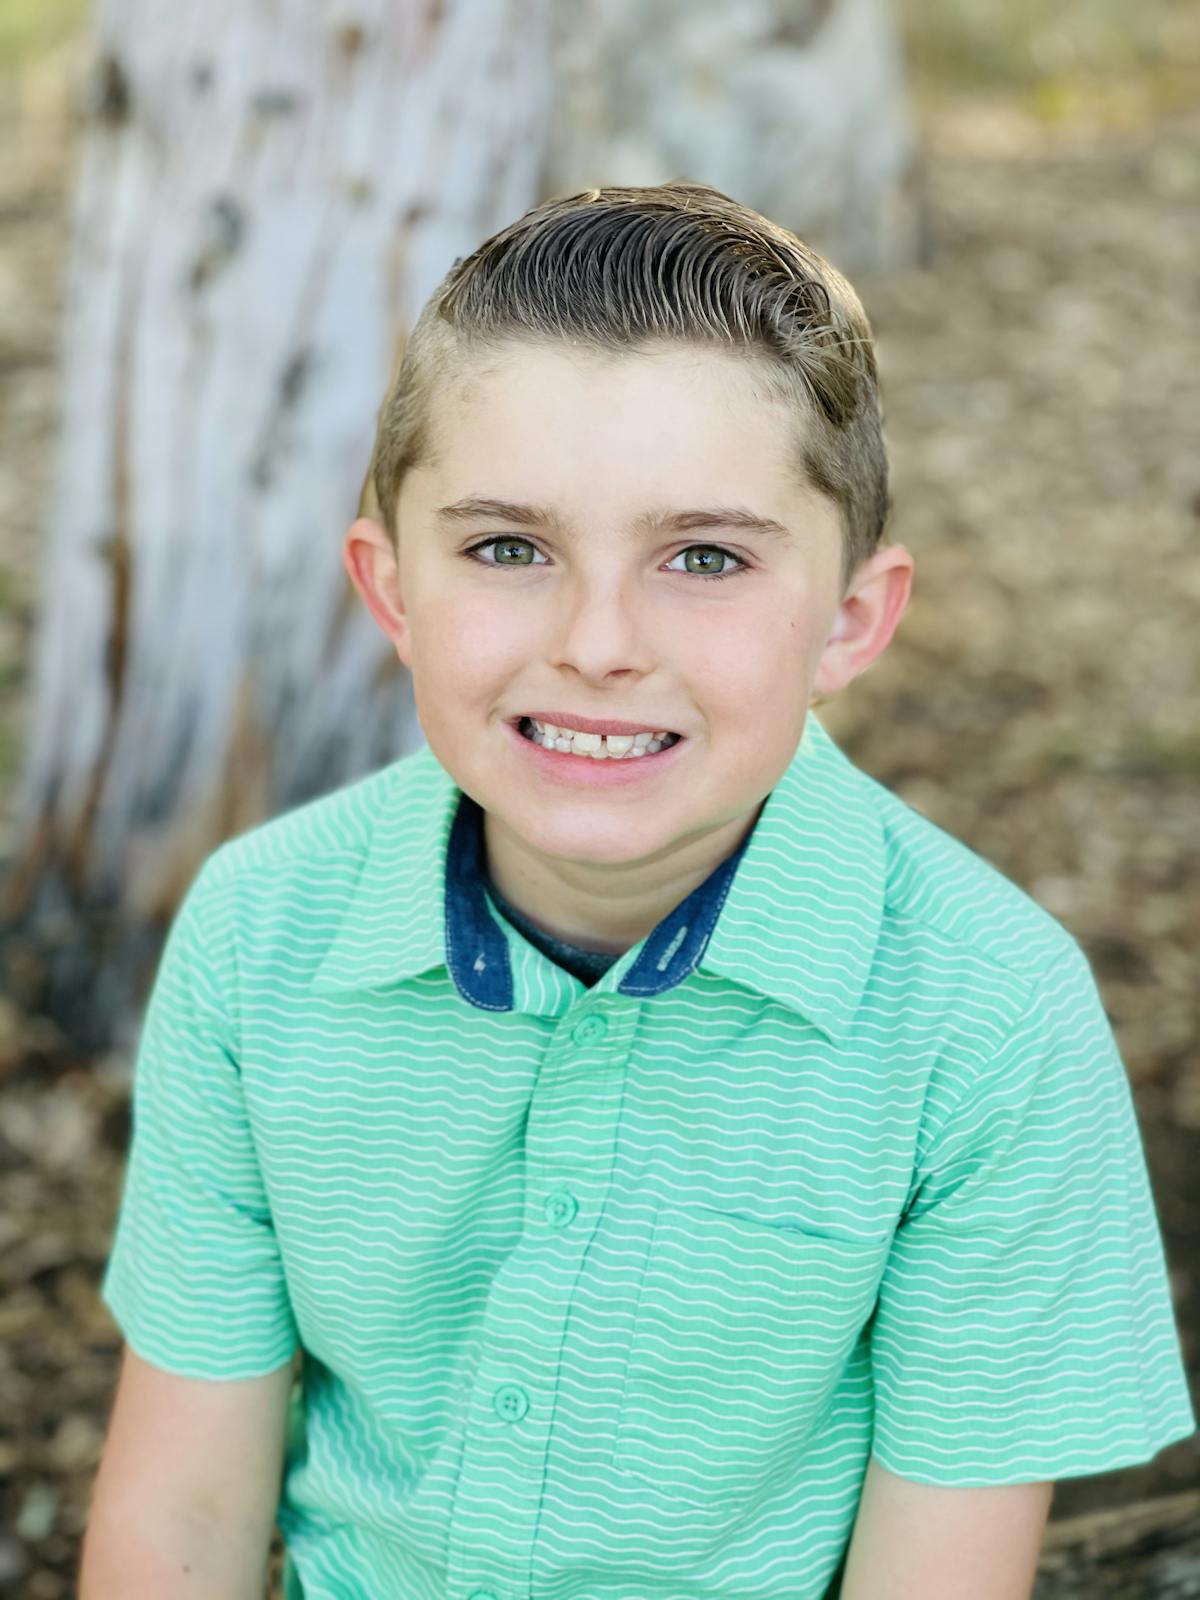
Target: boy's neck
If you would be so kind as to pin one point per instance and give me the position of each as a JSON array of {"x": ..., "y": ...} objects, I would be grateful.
[{"x": 604, "y": 909}]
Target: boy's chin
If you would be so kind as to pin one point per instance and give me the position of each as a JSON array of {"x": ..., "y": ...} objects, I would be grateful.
[{"x": 585, "y": 841}]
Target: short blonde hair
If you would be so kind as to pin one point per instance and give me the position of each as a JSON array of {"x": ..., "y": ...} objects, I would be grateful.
[{"x": 618, "y": 269}]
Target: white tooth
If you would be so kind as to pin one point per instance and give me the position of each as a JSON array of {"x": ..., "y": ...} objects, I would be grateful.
[
  {"x": 660, "y": 734},
  {"x": 598, "y": 747}
]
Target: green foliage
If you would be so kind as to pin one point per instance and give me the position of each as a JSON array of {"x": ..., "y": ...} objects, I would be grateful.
[
  {"x": 31, "y": 28},
  {"x": 1027, "y": 46}
]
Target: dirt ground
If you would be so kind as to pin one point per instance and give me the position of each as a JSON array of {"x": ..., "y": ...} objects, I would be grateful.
[{"x": 1040, "y": 701}]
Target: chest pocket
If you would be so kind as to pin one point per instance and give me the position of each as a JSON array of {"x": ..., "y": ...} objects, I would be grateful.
[{"x": 741, "y": 1332}]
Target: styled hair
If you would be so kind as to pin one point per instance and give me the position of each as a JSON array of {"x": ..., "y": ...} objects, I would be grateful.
[{"x": 617, "y": 269}]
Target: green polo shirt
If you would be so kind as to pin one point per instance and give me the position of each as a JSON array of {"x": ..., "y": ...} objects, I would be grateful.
[{"x": 607, "y": 1290}]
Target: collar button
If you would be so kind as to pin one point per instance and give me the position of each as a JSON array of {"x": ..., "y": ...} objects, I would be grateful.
[{"x": 590, "y": 1030}]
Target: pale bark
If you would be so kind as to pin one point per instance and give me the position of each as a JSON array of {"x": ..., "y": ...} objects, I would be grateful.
[{"x": 267, "y": 193}]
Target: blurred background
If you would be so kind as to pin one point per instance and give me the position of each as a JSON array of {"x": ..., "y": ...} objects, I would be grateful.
[{"x": 1022, "y": 219}]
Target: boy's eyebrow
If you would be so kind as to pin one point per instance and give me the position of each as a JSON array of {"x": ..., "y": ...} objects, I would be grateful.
[{"x": 473, "y": 507}]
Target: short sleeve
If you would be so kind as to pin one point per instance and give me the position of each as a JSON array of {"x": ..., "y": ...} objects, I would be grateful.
[
  {"x": 194, "y": 1277},
  {"x": 1024, "y": 1329}
]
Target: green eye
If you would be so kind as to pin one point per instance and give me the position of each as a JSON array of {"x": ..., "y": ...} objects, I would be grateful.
[{"x": 710, "y": 550}]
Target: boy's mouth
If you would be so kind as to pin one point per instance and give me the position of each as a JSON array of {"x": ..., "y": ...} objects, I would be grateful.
[{"x": 597, "y": 746}]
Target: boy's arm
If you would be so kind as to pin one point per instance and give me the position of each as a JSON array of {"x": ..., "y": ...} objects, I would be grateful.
[
  {"x": 916, "y": 1541},
  {"x": 185, "y": 1496}
]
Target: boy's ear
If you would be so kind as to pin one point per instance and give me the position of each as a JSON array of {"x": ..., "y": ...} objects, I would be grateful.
[
  {"x": 866, "y": 619},
  {"x": 371, "y": 564}
]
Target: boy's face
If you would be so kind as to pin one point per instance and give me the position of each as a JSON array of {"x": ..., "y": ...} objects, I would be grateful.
[{"x": 589, "y": 614}]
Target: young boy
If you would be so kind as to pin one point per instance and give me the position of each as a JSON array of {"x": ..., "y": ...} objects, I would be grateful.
[{"x": 685, "y": 1171}]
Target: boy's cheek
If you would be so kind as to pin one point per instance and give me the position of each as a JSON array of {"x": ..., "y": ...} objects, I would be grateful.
[{"x": 469, "y": 655}]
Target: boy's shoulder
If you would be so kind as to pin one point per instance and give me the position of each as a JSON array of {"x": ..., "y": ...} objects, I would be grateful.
[
  {"x": 855, "y": 867},
  {"x": 862, "y": 911},
  {"x": 334, "y": 825},
  {"x": 940, "y": 888}
]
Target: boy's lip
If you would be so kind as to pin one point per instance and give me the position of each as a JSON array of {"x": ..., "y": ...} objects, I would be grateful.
[{"x": 568, "y": 719}]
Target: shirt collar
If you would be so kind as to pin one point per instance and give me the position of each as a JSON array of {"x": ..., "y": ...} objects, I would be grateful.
[
  {"x": 805, "y": 909},
  {"x": 794, "y": 913}
]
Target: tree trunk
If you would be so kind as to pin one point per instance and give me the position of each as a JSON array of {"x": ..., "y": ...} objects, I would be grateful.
[
  {"x": 795, "y": 107},
  {"x": 267, "y": 194}
]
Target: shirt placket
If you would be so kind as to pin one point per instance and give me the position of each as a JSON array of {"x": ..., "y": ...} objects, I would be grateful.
[{"x": 570, "y": 1146}]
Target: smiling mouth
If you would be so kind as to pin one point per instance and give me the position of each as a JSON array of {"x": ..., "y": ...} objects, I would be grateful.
[{"x": 598, "y": 746}]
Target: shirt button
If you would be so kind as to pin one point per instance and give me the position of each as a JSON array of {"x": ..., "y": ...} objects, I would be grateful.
[
  {"x": 510, "y": 1402},
  {"x": 560, "y": 1208},
  {"x": 591, "y": 1030}
]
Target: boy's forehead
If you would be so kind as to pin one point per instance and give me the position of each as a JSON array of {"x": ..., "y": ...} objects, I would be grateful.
[
  {"x": 474, "y": 378},
  {"x": 538, "y": 426}
]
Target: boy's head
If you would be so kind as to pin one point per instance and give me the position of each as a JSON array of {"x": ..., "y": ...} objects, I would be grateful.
[{"x": 609, "y": 362}]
